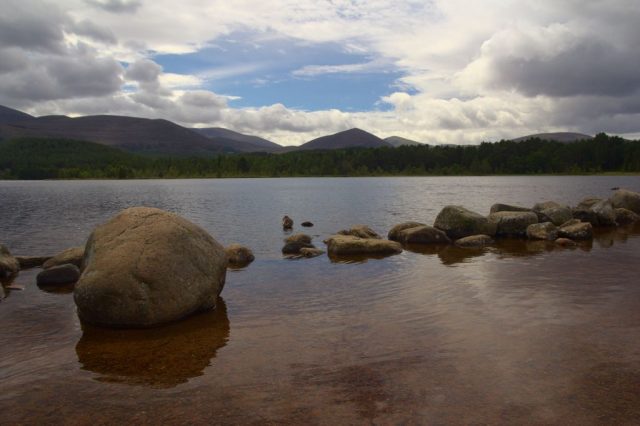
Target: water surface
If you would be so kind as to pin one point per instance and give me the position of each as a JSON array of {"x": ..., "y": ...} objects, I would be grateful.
[{"x": 518, "y": 333}]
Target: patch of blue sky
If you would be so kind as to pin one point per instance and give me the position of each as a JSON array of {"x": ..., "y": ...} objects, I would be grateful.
[{"x": 263, "y": 70}]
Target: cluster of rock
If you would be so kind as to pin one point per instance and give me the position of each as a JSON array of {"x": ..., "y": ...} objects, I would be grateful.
[{"x": 300, "y": 245}]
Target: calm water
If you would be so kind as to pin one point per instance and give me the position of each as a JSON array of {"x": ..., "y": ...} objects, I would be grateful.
[{"x": 519, "y": 333}]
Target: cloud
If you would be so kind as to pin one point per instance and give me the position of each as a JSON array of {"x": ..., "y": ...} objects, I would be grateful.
[
  {"x": 117, "y": 6},
  {"x": 314, "y": 70}
]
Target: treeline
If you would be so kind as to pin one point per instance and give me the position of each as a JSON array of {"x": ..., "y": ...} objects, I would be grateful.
[{"x": 66, "y": 159}]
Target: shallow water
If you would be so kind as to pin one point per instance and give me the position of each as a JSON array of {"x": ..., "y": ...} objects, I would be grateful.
[{"x": 518, "y": 333}]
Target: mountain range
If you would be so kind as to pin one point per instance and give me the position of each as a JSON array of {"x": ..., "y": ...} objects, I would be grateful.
[{"x": 161, "y": 137}]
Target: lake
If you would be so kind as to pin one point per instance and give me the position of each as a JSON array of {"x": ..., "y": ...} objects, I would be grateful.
[{"x": 519, "y": 333}]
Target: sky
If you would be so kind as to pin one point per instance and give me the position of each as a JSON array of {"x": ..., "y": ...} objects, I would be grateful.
[{"x": 439, "y": 71}]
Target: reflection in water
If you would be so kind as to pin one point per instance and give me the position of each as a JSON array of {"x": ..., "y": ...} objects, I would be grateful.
[
  {"x": 161, "y": 357},
  {"x": 358, "y": 258}
]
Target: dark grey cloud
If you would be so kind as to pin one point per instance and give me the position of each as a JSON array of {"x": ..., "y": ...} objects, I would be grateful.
[
  {"x": 34, "y": 26},
  {"x": 143, "y": 71},
  {"x": 95, "y": 32},
  {"x": 591, "y": 67},
  {"x": 117, "y": 6}
]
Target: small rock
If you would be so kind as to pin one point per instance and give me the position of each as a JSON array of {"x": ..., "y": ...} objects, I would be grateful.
[
  {"x": 239, "y": 255},
  {"x": 542, "y": 231},
  {"x": 424, "y": 234},
  {"x": 287, "y": 222},
  {"x": 298, "y": 238},
  {"x": 394, "y": 232},
  {"x": 9, "y": 266},
  {"x": 565, "y": 242},
  {"x": 28, "y": 262},
  {"x": 458, "y": 222},
  {"x": 626, "y": 217},
  {"x": 626, "y": 199},
  {"x": 578, "y": 231},
  {"x": 344, "y": 245},
  {"x": 295, "y": 247},
  {"x": 72, "y": 255},
  {"x": 307, "y": 224},
  {"x": 513, "y": 224},
  {"x": 59, "y": 275},
  {"x": 360, "y": 231},
  {"x": 499, "y": 207},
  {"x": 310, "y": 252},
  {"x": 474, "y": 241}
]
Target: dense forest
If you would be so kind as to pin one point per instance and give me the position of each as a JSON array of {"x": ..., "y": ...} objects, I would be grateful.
[{"x": 67, "y": 159}]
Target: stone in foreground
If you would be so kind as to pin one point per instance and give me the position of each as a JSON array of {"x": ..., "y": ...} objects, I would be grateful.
[
  {"x": 512, "y": 224},
  {"x": 576, "y": 231},
  {"x": 625, "y": 199},
  {"x": 345, "y": 245},
  {"x": 542, "y": 231},
  {"x": 360, "y": 231},
  {"x": 474, "y": 241},
  {"x": 626, "y": 217},
  {"x": 394, "y": 233},
  {"x": 239, "y": 255},
  {"x": 58, "y": 275},
  {"x": 72, "y": 255},
  {"x": 9, "y": 266},
  {"x": 458, "y": 222},
  {"x": 147, "y": 266},
  {"x": 424, "y": 234}
]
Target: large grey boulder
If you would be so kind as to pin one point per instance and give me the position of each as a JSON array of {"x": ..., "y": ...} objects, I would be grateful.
[
  {"x": 499, "y": 207},
  {"x": 58, "y": 275},
  {"x": 556, "y": 215},
  {"x": 542, "y": 231},
  {"x": 9, "y": 266},
  {"x": 626, "y": 217},
  {"x": 424, "y": 234},
  {"x": 511, "y": 223},
  {"x": 360, "y": 231},
  {"x": 458, "y": 222},
  {"x": 147, "y": 266},
  {"x": 72, "y": 255},
  {"x": 605, "y": 214},
  {"x": 394, "y": 233},
  {"x": 625, "y": 199},
  {"x": 576, "y": 231},
  {"x": 348, "y": 245}
]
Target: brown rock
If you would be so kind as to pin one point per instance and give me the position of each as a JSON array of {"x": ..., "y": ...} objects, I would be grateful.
[
  {"x": 394, "y": 232},
  {"x": 474, "y": 241},
  {"x": 72, "y": 255},
  {"x": 424, "y": 234},
  {"x": 542, "y": 231},
  {"x": 360, "y": 231},
  {"x": 147, "y": 266},
  {"x": 512, "y": 224},
  {"x": 507, "y": 208},
  {"x": 310, "y": 252},
  {"x": 239, "y": 255},
  {"x": 345, "y": 245},
  {"x": 626, "y": 199},
  {"x": 626, "y": 217},
  {"x": 458, "y": 222},
  {"x": 9, "y": 266},
  {"x": 58, "y": 275},
  {"x": 578, "y": 231},
  {"x": 287, "y": 222},
  {"x": 298, "y": 238}
]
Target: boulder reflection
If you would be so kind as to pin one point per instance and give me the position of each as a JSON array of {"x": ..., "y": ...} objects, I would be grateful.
[{"x": 161, "y": 357}]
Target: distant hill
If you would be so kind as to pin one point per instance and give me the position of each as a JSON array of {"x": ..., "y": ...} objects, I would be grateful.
[
  {"x": 398, "y": 141},
  {"x": 9, "y": 115},
  {"x": 564, "y": 137},
  {"x": 242, "y": 142},
  {"x": 139, "y": 135},
  {"x": 353, "y": 138}
]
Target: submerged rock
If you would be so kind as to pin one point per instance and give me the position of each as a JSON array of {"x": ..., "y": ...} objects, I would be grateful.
[
  {"x": 58, "y": 275},
  {"x": 512, "y": 224},
  {"x": 576, "y": 231},
  {"x": 360, "y": 231},
  {"x": 474, "y": 241},
  {"x": 394, "y": 232},
  {"x": 626, "y": 217},
  {"x": 306, "y": 224},
  {"x": 499, "y": 207},
  {"x": 9, "y": 266},
  {"x": 345, "y": 245},
  {"x": 542, "y": 231},
  {"x": 72, "y": 255},
  {"x": 626, "y": 199},
  {"x": 458, "y": 222},
  {"x": 239, "y": 255},
  {"x": 147, "y": 266},
  {"x": 28, "y": 262},
  {"x": 424, "y": 234}
]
